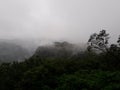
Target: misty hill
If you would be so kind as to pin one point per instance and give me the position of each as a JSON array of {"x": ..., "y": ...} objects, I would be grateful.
[
  {"x": 92, "y": 72},
  {"x": 12, "y": 52},
  {"x": 61, "y": 66},
  {"x": 58, "y": 50},
  {"x": 19, "y": 49}
]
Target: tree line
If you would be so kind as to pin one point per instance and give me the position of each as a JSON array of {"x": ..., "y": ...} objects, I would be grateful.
[{"x": 58, "y": 68}]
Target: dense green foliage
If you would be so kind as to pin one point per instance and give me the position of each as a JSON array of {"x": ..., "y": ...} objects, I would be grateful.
[
  {"x": 58, "y": 68},
  {"x": 91, "y": 72}
]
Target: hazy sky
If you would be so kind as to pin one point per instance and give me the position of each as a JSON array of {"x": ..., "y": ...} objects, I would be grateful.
[{"x": 73, "y": 20}]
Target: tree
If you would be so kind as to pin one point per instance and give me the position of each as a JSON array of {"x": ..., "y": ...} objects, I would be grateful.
[
  {"x": 99, "y": 41},
  {"x": 118, "y": 40}
]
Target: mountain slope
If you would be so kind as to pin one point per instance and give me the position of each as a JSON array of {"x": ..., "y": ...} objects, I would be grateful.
[{"x": 12, "y": 52}]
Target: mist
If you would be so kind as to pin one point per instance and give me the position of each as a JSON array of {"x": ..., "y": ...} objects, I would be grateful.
[
  {"x": 70, "y": 20},
  {"x": 59, "y": 45}
]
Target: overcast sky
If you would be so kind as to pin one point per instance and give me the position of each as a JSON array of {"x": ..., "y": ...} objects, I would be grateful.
[{"x": 73, "y": 20}]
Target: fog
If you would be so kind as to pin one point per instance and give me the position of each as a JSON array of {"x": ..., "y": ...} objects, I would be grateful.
[{"x": 72, "y": 20}]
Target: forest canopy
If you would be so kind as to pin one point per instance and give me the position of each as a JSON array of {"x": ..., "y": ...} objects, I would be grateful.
[{"x": 55, "y": 68}]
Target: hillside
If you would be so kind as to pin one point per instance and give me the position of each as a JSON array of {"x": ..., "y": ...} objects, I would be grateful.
[
  {"x": 49, "y": 70},
  {"x": 12, "y": 52}
]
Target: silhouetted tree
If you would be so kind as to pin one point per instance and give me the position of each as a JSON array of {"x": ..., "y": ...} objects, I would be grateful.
[
  {"x": 98, "y": 41},
  {"x": 118, "y": 40}
]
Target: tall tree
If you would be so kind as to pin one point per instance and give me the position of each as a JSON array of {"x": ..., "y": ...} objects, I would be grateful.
[{"x": 99, "y": 41}]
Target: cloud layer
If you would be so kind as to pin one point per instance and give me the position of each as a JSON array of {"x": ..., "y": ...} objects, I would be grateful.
[{"x": 73, "y": 20}]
